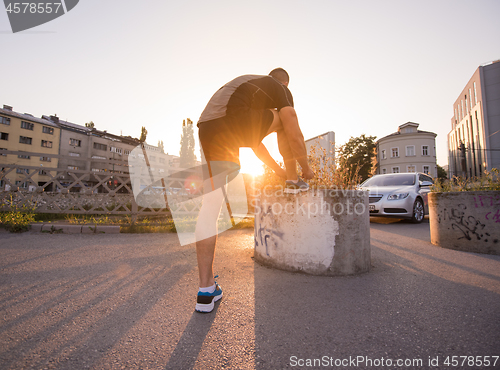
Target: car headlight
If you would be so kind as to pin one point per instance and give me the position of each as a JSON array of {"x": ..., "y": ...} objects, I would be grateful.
[{"x": 398, "y": 196}]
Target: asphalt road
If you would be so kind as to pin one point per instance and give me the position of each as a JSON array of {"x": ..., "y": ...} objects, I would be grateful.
[{"x": 127, "y": 301}]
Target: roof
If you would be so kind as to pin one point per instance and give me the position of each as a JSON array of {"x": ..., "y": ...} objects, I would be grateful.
[
  {"x": 67, "y": 124},
  {"x": 27, "y": 117},
  {"x": 320, "y": 136},
  {"x": 412, "y": 133}
]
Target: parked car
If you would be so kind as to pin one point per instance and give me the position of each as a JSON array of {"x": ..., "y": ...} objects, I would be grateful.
[{"x": 401, "y": 195}]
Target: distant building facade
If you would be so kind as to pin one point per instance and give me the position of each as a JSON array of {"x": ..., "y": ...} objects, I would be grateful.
[
  {"x": 407, "y": 150},
  {"x": 474, "y": 139},
  {"x": 38, "y": 139},
  {"x": 77, "y": 149},
  {"x": 324, "y": 145}
]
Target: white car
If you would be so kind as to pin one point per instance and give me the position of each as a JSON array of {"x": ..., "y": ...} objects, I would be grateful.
[{"x": 401, "y": 195}]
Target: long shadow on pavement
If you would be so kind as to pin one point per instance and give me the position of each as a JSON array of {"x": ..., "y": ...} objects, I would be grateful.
[{"x": 189, "y": 346}]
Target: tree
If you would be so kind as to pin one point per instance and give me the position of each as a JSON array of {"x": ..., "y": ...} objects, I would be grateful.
[
  {"x": 357, "y": 155},
  {"x": 442, "y": 174},
  {"x": 160, "y": 145},
  {"x": 144, "y": 133},
  {"x": 186, "y": 154},
  {"x": 90, "y": 124}
]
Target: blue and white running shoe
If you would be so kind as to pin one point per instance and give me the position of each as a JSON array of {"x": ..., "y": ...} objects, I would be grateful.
[
  {"x": 205, "y": 301},
  {"x": 296, "y": 187}
]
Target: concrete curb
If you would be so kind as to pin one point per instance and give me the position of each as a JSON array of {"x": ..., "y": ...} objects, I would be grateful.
[{"x": 75, "y": 229}]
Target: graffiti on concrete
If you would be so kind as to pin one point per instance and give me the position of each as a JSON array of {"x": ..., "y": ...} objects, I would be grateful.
[
  {"x": 469, "y": 226},
  {"x": 265, "y": 231},
  {"x": 487, "y": 201},
  {"x": 493, "y": 216}
]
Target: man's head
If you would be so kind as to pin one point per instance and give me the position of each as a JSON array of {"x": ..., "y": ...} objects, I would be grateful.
[{"x": 281, "y": 75}]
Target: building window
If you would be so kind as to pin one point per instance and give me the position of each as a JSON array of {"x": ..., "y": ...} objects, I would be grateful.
[
  {"x": 115, "y": 150},
  {"x": 394, "y": 152},
  {"x": 1, "y": 152},
  {"x": 21, "y": 170},
  {"x": 22, "y": 184},
  {"x": 162, "y": 160},
  {"x": 475, "y": 93},
  {"x": 72, "y": 167},
  {"x": 45, "y": 159},
  {"x": 425, "y": 169},
  {"x": 5, "y": 120},
  {"x": 99, "y": 146},
  {"x": 411, "y": 169},
  {"x": 42, "y": 172},
  {"x": 4, "y": 136},
  {"x": 384, "y": 171},
  {"x": 98, "y": 157},
  {"x": 23, "y": 156},
  {"x": 47, "y": 130},
  {"x": 75, "y": 142},
  {"x": 46, "y": 144},
  {"x": 97, "y": 170},
  {"x": 425, "y": 150},
  {"x": 383, "y": 154},
  {"x": 27, "y": 125},
  {"x": 72, "y": 154},
  {"x": 25, "y": 140},
  {"x": 395, "y": 169},
  {"x": 127, "y": 152},
  {"x": 410, "y": 150}
]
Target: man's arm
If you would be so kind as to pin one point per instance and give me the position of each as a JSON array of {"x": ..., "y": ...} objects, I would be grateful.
[
  {"x": 295, "y": 139},
  {"x": 262, "y": 153}
]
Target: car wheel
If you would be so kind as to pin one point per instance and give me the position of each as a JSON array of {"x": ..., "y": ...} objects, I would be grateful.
[{"x": 418, "y": 212}]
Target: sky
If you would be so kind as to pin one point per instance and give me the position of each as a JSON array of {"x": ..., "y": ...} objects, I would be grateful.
[{"x": 356, "y": 67}]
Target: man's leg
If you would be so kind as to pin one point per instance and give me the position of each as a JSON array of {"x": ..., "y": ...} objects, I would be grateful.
[
  {"x": 206, "y": 231},
  {"x": 284, "y": 147}
]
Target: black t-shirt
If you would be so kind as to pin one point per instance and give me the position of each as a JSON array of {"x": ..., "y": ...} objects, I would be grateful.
[{"x": 247, "y": 92}]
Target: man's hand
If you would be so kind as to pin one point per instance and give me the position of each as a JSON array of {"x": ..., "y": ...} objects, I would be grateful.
[
  {"x": 262, "y": 153},
  {"x": 307, "y": 173},
  {"x": 280, "y": 172}
]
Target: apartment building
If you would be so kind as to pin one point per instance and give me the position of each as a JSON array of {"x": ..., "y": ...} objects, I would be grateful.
[
  {"x": 407, "y": 150},
  {"x": 38, "y": 141},
  {"x": 69, "y": 150},
  {"x": 474, "y": 139},
  {"x": 99, "y": 153}
]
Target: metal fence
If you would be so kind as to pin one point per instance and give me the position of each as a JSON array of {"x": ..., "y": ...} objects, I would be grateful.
[{"x": 73, "y": 191}]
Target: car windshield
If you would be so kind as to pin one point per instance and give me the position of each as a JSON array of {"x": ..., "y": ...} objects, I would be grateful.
[{"x": 390, "y": 180}]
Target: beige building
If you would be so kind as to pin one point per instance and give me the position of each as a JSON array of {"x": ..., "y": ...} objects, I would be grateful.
[
  {"x": 407, "y": 150},
  {"x": 474, "y": 139},
  {"x": 36, "y": 139}
]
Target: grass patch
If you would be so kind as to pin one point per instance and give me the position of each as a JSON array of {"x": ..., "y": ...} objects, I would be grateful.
[{"x": 489, "y": 181}]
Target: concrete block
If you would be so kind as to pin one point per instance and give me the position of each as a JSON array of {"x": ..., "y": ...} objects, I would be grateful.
[
  {"x": 108, "y": 229},
  {"x": 36, "y": 227},
  {"x": 71, "y": 229},
  {"x": 467, "y": 220},
  {"x": 320, "y": 232},
  {"x": 52, "y": 228},
  {"x": 89, "y": 229}
]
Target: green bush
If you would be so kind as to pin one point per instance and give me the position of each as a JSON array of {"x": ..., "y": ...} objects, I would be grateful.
[{"x": 19, "y": 217}]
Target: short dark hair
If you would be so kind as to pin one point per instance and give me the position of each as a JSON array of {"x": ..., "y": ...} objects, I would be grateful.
[{"x": 280, "y": 74}]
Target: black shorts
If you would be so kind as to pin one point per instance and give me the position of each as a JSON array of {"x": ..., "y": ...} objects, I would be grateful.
[{"x": 222, "y": 138}]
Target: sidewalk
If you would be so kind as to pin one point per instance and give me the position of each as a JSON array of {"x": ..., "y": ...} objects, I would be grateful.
[{"x": 126, "y": 301}]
